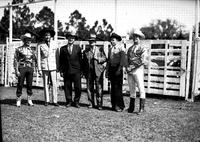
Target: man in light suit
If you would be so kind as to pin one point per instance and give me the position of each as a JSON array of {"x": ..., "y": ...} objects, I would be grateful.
[
  {"x": 93, "y": 65},
  {"x": 70, "y": 69},
  {"x": 48, "y": 63}
]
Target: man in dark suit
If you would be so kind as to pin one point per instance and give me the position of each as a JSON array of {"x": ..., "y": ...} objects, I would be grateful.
[
  {"x": 70, "y": 69},
  {"x": 114, "y": 71},
  {"x": 93, "y": 68}
]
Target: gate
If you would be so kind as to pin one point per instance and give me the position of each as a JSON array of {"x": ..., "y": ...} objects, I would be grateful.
[{"x": 168, "y": 68}]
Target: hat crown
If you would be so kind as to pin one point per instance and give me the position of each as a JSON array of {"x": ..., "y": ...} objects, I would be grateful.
[
  {"x": 92, "y": 37},
  {"x": 26, "y": 35},
  {"x": 47, "y": 30},
  {"x": 114, "y": 35},
  {"x": 139, "y": 33}
]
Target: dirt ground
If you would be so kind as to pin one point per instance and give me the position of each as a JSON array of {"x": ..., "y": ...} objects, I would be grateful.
[{"x": 165, "y": 120}]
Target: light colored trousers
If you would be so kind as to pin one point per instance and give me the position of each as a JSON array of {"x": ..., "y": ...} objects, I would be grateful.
[
  {"x": 136, "y": 79},
  {"x": 53, "y": 76}
]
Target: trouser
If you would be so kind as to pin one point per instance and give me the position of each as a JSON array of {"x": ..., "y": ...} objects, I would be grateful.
[
  {"x": 136, "y": 78},
  {"x": 25, "y": 73},
  {"x": 50, "y": 78},
  {"x": 92, "y": 80},
  {"x": 68, "y": 80},
  {"x": 116, "y": 88}
]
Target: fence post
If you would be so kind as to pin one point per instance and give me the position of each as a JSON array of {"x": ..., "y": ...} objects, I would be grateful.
[
  {"x": 188, "y": 67},
  {"x": 196, "y": 69}
]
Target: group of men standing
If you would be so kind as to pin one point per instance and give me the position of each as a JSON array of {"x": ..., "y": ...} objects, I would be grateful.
[{"x": 72, "y": 62}]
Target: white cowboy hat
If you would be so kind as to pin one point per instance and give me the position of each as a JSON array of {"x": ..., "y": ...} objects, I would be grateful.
[
  {"x": 26, "y": 36},
  {"x": 139, "y": 33}
]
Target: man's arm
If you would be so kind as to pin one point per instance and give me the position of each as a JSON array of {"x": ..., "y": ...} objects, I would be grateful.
[{"x": 16, "y": 62}]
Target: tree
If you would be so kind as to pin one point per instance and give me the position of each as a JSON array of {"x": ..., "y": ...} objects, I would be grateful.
[
  {"x": 79, "y": 23},
  {"x": 45, "y": 17},
  {"x": 102, "y": 31},
  {"x": 169, "y": 29},
  {"x": 4, "y": 25},
  {"x": 22, "y": 19}
]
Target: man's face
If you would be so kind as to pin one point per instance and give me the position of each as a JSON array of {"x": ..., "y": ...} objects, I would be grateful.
[
  {"x": 136, "y": 39},
  {"x": 27, "y": 41},
  {"x": 71, "y": 39},
  {"x": 113, "y": 41},
  {"x": 47, "y": 37}
]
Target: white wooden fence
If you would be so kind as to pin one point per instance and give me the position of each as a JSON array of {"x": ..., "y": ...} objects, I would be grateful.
[{"x": 170, "y": 76}]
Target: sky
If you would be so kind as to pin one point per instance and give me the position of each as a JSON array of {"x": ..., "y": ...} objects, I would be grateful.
[{"x": 123, "y": 15}]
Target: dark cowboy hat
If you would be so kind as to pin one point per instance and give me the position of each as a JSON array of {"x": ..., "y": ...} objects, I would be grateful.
[
  {"x": 47, "y": 30},
  {"x": 114, "y": 35},
  {"x": 71, "y": 34}
]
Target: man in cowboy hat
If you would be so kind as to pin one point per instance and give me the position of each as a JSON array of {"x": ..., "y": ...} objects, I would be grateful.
[
  {"x": 24, "y": 61},
  {"x": 93, "y": 68},
  {"x": 48, "y": 63},
  {"x": 70, "y": 62},
  {"x": 135, "y": 69},
  {"x": 116, "y": 60}
]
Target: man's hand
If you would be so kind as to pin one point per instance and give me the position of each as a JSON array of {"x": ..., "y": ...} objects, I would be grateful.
[
  {"x": 61, "y": 74},
  {"x": 118, "y": 72},
  {"x": 128, "y": 69},
  {"x": 17, "y": 73}
]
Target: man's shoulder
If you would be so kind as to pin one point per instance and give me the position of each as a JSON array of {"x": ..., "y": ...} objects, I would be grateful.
[{"x": 64, "y": 46}]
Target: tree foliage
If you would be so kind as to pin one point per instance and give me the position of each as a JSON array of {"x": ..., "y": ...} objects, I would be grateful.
[
  {"x": 23, "y": 19},
  {"x": 169, "y": 29},
  {"x": 77, "y": 21},
  {"x": 103, "y": 30},
  {"x": 45, "y": 17}
]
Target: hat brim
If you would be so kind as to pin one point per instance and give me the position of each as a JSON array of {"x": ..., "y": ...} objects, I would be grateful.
[
  {"x": 25, "y": 37},
  {"x": 44, "y": 31},
  {"x": 139, "y": 35},
  {"x": 92, "y": 39},
  {"x": 69, "y": 35},
  {"x": 116, "y": 37}
]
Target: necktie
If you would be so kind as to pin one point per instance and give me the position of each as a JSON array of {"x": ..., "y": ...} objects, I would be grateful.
[{"x": 69, "y": 49}]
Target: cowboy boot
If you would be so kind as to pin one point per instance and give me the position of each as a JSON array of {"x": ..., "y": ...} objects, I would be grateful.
[
  {"x": 18, "y": 101},
  {"x": 131, "y": 105},
  {"x": 30, "y": 103},
  {"x": 142, "y": 103}
]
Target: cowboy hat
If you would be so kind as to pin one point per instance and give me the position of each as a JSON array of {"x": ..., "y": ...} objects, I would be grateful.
[
  {"x": 139, "y": 33},
  {"x": 26, "y": 36},
  {"x": 92, "y": 37},
  {"x": 47, "y": 30},
  {"x": 114, "y": 35},
  {"x": 71, "y": 34}
]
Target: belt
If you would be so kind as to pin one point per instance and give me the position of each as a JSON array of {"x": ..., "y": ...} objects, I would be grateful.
[{"x": 25, "y": 65}]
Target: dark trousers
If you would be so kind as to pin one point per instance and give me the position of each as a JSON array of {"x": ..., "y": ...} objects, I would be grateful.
[
  {"x": 25, "y": 73},
  {"x": 97, "y": 81},
  {"x": 68, "y": 80},
  {"x": 116, "y": 88}
]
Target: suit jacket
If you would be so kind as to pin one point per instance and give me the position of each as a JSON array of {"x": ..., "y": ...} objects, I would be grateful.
[
  {"x": 116, "y": 57},
  {"x": 93, "y": 60},
  {"x": 70, "y": 63},
  {"x": 48, "y": 56}
]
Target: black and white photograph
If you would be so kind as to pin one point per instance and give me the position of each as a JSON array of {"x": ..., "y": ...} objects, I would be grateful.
[{"x": 100, "y": 70}]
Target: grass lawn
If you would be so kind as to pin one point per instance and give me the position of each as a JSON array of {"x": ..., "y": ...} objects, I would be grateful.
[{"x": 165, "y": 120}]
